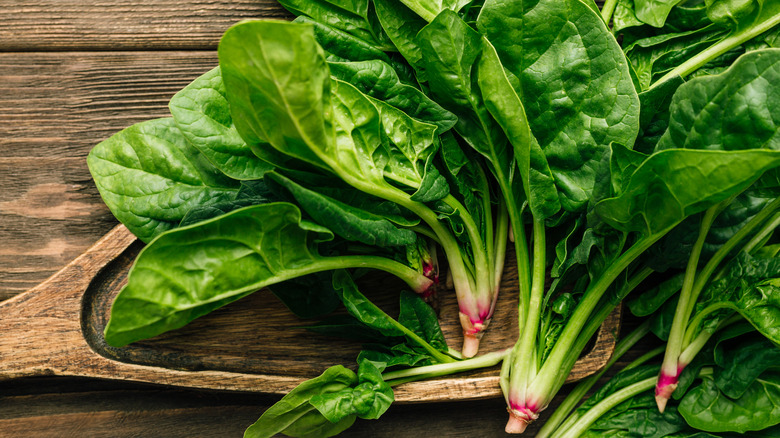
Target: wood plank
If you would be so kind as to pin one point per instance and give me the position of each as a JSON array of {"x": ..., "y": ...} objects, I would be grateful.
[
  {"x": 58, "y": 25},
  {"x": 54, "y": 107}
]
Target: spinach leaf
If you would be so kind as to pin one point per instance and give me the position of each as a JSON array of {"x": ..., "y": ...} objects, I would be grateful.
[
  {"x": 420, "y": 318},
  {"x": 150, "y": 176},
  {"x": 202, "y": 113},
  {"x": 294, "y": 415},
  {"x": 377, "y": 79},
  {"x": 504, "y": 105},
  {"x": 191, "y": 271},
  {"x": 344, "y": 220},
  {"x": 707, "y": 408},
  {"x": 402, "y": 26},
  {"x": 729, "y": 111},
  {"x": 369, "y": 399},
  {"x": 673, "y": 184},
  {"x": 742, "y": 361},
  {"x": 355, "y": 17},
  {"x": 654, "y": 12},
  {"x": 537, "y": 42},
  {"x": 750, "y": 286}
]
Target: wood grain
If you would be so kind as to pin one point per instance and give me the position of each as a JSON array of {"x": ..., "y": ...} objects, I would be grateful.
[
  {"x": 100, "y": 25},
  {"x": 251, "y": 345},
  {"x": 54, "y": 107}
]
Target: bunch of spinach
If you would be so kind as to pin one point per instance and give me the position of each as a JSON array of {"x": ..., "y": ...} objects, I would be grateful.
[{"x": 398, "y": 124}]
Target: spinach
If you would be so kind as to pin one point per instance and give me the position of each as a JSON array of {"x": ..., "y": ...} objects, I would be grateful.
[
  {"x": 150, "y": 176},
  {"x": 625, "y": 405},
  {"x": 366, "y": 132},
  {"x": 191, "y": 271},
  {"x": 202, "y": 114}
]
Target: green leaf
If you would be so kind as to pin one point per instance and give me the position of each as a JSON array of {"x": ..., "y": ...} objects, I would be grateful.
[
  {"x": 202, "y": 113},
  {"x": 735, "y": 110},
  {"x": 749, "y": 286},
  {"x": 654, "y": 12},
  {"x": 743, "y": 362},
  {"x": 150, "y": 176},
  {"x": 651, "y": 300},
  {"x": 419, "y": 317},
  {"x": 278, "y": 85},
  {"x": 575, "y": 108},
  {"x": 377, "y": 79},
  {"x": 293, "y": 415},
  {"x": 706, "y": 408},
  {"x": 191, "y": 271},
  {"x": 402, "y": 26},
  {"x": 344, "y": 220},
  {"x": 355, "y": 17},
  {"x": 505, "y": 106},
  {"x": 368, "y": 400},
  {"x": 673, "y": 184},
  {"x": 362, "y": 308}
]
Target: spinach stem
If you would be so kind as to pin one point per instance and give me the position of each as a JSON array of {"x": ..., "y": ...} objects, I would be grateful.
[
  {"x": 549, "y": 377},
  {"x": 674, "y": 344},
  {"x": 607, "y": 9},
  {"x": 594, "y": 413},
  {"x": 525, "y": 357},
  {"x": 419, "y": 373},
  {"x": 578, "y": 392},
  {"x": 733, "y": 40}
]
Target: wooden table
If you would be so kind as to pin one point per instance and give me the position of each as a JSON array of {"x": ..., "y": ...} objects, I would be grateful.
[{"x": 73, "y": 72}]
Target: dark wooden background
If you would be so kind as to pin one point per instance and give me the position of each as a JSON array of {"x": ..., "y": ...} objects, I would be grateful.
[{"x": 73, "y": 72}]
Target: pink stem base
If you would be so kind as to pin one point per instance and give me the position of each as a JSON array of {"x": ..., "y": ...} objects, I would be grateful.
[
  {"x": 519, "y": 419},
  {"x": 472, "y": 333},
  {"x": 665, "y": 388}
]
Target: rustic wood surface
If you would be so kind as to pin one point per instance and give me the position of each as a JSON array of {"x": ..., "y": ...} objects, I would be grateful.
[{"x": 71, "y": 74}]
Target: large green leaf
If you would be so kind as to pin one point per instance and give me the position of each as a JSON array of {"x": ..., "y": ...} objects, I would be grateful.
[
  {"x": 150, "y": 176},
  {"x": 507, "y": 109},
  {"x": 278, "y": 85},
  {"x": 735, "y": 110},
  {"x": 673, "y": 184},
  {"x": 191, "y": 271},
  {"x": 573, "y": 80},
  {"x": 706, "y": 408},
  {"x": 202, "y": 113},
  {"x": 654, "y": 12},
  {"x": 402, "y": 26}
]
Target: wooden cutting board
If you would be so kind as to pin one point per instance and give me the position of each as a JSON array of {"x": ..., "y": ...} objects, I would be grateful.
[{"x": 255, "y": 344}]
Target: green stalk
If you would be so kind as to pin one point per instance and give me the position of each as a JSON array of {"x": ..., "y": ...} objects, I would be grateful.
[
  {"x": 604, "y": 406},
  {"x": 499, "y": 246},
  {"x": 727, "y": 247},
  {"x": 419, "y": 373},
  {"x": 596, "y": 320},
  {"x": 733, "y": 40},
  {"x": 765, "y": 231},
  {"x": 482, "y": 268},
  {"x": 674, "y": 344},
  {"x": 544, "y": 385},
  {"x": 570, "y": 402},
  {"x": 415, "y": 280},
  {"x": 525, "y": 358},
  {"x": 607, "y": 10},
  {"x": 694, "y": 346}
]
